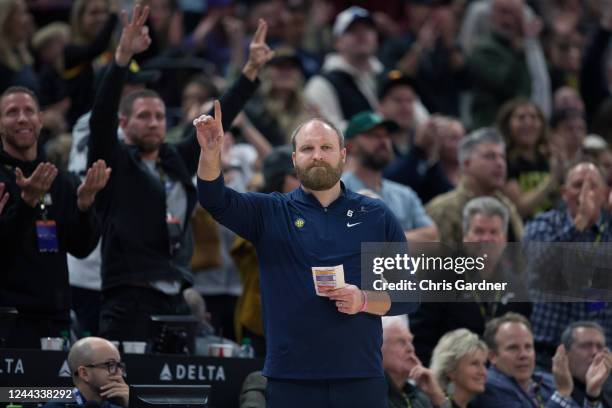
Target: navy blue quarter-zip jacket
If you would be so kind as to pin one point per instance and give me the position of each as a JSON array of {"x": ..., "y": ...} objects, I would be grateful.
[{"x": 307, "y": 337}]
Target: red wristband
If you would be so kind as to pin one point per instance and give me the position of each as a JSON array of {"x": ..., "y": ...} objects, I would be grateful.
[{"x": 364, "y": 306}]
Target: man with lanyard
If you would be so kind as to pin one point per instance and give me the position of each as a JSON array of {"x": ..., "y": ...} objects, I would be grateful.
[
  {"x": 47, "y": 215},
  {"x": 323, "y": 346},
  {"x": 512, "y": 380},
  {"x": 97, "y": 374},
  {"x": 563, "y": 246},
  {"x": 485, "y": 222}
]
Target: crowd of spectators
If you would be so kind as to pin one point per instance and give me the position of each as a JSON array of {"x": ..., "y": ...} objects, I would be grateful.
[{"x": 475, "y": 121}]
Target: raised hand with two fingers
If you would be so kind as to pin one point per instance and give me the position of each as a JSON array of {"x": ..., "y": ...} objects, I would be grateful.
[
  {"x": 259, "y": 52},
  {"x": 134, "y": 35}
]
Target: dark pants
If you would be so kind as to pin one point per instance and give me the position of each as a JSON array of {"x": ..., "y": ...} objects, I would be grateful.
[
  {"x": 221, "y": 309},
  {"x": 347, "y": 393},
  {"x": 28, "y": 329},
  {"x": 126, "y": 311},
  {"x": 86, "y": 306}
]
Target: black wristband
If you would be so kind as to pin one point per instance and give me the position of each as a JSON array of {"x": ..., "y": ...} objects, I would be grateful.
[{"x": 593, "y": 399}]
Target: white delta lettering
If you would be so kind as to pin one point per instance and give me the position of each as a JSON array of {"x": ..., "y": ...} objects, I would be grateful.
[
  {"x": 196, "y": 372},
  {"x": 10, "y": 368}
]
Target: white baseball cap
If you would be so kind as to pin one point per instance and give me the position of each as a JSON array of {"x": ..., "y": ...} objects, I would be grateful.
[{"x": 349, "y": 16}]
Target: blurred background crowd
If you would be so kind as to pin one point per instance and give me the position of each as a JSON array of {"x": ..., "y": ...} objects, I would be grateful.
[{"x": 441, "y": 102}]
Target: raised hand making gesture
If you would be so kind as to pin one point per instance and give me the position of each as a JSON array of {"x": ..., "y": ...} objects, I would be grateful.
[
  {"x": 134, "y": 36},
  {"x": 259, "y": 52},
  {"x": 210, "y": 137}
]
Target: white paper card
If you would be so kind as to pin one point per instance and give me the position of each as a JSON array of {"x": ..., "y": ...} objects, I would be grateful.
[{"x": 328, "y": 277}]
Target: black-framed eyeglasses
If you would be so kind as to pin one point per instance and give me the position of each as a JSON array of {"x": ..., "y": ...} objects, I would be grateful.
[{"x": 112, "y": 366}]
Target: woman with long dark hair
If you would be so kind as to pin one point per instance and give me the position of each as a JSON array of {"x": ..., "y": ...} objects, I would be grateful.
[{"x": 534, "y": 170}]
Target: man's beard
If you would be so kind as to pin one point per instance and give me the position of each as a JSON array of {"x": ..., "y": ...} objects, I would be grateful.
[
  {"x": 373, "y": 161},
  {"x": 319, "y": 176},
  {"x": 146, "y": 146}
]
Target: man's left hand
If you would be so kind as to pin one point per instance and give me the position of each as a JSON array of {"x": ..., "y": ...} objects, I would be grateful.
[
  {"x": 116, "y": 390},
  {"x": 598, "y": 373},
  {"x": 95, "y": 180},
  {"x": 349, "y": 299}
]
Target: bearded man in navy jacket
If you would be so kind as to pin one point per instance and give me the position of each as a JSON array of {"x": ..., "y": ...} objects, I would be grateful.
[{"x": 322, "y": 351}]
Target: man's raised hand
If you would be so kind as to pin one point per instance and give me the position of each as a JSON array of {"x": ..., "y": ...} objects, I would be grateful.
[
  {"x": 598, "y": 372},
  {"x": 561, "y": 372},
  {"x": 259, "y": 52},
  {"x": 210, "y": 137},
  {"x": 134, "y": 36},
  {"x": 210, "y": 132},
  {"x": 95, "y": 180}
]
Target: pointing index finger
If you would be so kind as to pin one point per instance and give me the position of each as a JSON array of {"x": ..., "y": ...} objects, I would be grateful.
[
  {"x": 217, "y": 111},
  {"x": 260, "y": 34}
]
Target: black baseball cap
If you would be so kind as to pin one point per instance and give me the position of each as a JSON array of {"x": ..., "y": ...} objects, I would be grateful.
[{"x": 392, "y": 79}]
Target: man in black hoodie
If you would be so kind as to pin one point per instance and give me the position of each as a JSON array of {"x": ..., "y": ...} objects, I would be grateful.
[
  {"x": 45, "y": 217},
  {"x": 146, "y": 208}
]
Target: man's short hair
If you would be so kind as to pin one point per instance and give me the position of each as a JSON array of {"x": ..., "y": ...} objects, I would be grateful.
[
  {"x": 583, "y": 162},
  {"x": 127, "y": 102},
  {"x": 20, "y": 89},
  {"x": 487, "y": 206},
  {"x": 567, "y": 337},
  {"x": 324, "y": 121},
  {"x": 392, "y": 321},
  {"x": 469, "y": 143},
  {"x": 492, "y": 327}
]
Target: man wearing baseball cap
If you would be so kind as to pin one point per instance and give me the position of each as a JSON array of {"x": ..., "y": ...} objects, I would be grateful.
[
  {"x": 368, "y": 139},
  {"x": 346, "y": 84}
]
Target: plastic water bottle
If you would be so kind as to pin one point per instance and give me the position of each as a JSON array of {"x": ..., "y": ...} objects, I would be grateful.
[
  {"x": 246, "y": 350},
  {"x": 66, "y": 336}
]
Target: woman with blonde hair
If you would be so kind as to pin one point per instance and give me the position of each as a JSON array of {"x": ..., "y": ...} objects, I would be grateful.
[
  {"x": 459, "y": 365},
  {"x": 15, "y": 59}
]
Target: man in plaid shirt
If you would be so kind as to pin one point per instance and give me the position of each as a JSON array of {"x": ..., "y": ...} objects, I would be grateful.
[{"x": 570, "y": 265}]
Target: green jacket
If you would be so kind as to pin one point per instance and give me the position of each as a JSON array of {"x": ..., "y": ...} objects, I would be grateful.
[{"x": 498, "y": 74}]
